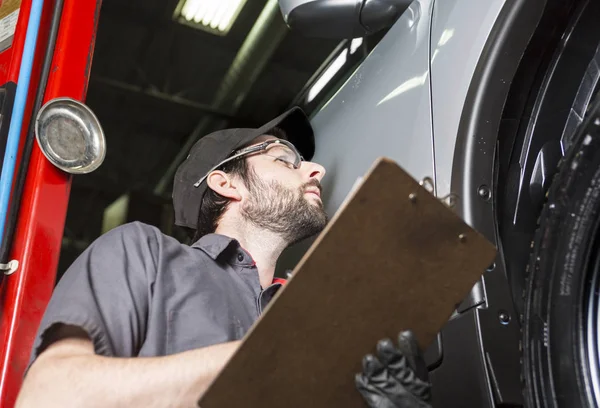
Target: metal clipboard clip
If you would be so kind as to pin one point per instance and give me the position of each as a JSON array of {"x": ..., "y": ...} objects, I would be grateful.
[{"x": 427, "y": 183}]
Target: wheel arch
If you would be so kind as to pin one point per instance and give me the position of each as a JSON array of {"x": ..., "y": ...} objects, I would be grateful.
[{"x": 475, "y": 153}]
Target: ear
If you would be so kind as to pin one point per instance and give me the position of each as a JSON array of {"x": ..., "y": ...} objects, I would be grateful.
[{"x": 223, "y": 184}]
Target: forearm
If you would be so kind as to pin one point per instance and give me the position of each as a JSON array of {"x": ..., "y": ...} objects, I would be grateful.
[{"x": 90, "y": 380}]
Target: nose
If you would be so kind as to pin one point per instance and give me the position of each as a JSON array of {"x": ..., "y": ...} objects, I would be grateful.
[{"x": 313, "y": 170}]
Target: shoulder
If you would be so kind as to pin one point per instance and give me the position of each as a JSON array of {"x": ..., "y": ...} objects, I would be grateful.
[
  {"x": 134, "y": 247},
  {"x": 133, "y": 229},
  {"x": 142, "y": 240},
  {"x": 133, "y": 234},
  {"x": 127, "y": 243}
]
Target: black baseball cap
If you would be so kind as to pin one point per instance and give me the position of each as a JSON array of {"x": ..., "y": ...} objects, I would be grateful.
[{"x": 215, "y": 147}]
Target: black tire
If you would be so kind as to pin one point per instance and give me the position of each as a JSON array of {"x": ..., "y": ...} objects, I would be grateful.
[{"x": 565, "y": 252}]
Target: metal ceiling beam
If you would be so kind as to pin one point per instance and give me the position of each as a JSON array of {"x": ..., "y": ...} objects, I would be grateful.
[
  {"x": 260, "y": 44},
  {"x": 156, "y": 94}
]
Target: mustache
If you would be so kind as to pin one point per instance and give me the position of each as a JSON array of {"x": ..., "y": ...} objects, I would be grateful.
[{"x": 313, "y": 183}]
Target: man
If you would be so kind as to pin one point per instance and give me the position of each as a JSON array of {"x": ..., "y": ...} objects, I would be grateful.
[{"x": 142, "y": 320}]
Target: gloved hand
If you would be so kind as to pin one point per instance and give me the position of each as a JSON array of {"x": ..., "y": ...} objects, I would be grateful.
[{"x": 397, "y": 377}]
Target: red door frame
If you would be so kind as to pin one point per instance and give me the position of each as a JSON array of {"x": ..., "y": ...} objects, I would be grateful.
[{"x": 38, "y": 236}]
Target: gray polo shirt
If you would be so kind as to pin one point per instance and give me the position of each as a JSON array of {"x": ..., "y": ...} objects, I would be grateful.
[{"x": 138, "y": 292}]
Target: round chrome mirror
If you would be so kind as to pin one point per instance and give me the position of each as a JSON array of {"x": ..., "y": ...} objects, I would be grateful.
[{"x": 70, "y": 136}]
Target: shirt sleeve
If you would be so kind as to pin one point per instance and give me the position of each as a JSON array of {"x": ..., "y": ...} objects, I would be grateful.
[{"x": 107, "y": 292}]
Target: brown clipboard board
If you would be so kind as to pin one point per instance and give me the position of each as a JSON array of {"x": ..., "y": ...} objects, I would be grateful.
[{"x": 393, "y": 257}]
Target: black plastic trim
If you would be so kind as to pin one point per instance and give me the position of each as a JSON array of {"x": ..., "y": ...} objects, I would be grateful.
[
  {"x": 328, "y": 19},
  {"x": 480, "y": 120}
]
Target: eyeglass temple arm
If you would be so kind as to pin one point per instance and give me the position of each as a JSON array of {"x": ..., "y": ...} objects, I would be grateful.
[{"x": 235, "y": 156}]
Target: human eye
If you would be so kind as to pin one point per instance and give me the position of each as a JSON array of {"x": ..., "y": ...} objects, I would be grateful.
[
  {"x": 288, "y": 155},
  {"x": 282, "y": 154},
  {"x": 284, "y": 160}
]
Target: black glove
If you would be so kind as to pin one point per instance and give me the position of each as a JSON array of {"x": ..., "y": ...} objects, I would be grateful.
[{"x": 397, "y": 378}]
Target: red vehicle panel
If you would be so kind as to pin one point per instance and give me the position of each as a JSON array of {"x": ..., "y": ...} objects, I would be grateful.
[{"x": 40, "y": 225}]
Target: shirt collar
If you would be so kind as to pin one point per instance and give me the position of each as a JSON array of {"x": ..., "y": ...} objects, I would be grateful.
[{"x": 214, "y": 244}]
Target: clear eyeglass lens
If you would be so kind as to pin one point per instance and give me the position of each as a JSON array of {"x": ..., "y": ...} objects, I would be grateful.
[{"x": 284, "y": 153}]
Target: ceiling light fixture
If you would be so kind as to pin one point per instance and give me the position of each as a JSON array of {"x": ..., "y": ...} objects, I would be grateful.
[{"x": 216, "y": 16}]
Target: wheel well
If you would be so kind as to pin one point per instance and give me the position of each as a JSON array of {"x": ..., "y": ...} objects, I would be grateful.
[
  {"x": 474, "y": 163},
  {"x": 545, "y": 104},
  {"x": 506, "y": 82}
]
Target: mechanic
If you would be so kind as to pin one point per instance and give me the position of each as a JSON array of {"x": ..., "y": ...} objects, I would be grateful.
[{"x": 140, "y": 319}]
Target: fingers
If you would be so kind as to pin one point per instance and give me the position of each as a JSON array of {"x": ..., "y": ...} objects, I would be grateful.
[
  {"x": 373, "y": 396},
  {"x": 399, "y": 365},
  {"x": 371, "y": 383},
  {"x": 371, "y": 366},
  {"x": 378, "y": 375},
  {"x": 381, "y": 388},
  {"x": 395, "y": 360},
  {"x": 407, "y": 344}
]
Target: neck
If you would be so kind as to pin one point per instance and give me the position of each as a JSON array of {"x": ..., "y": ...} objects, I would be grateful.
[{"x": 264, "y": 246}]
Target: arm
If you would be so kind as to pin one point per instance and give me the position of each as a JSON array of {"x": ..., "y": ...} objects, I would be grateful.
[
  {"x": 69, "y": 374},
  {"x": 95, "y": 325}
]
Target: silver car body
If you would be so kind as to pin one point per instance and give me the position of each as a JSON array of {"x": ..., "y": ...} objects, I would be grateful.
[
  {"x": 405, "y": 100},
  {"x": 413, "y": 99}
]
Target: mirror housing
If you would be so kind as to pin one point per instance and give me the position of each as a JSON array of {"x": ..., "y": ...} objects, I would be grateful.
[{"x": 341, "y": 19}]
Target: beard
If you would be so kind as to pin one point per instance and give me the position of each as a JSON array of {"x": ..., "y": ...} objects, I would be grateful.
[{"x": 285, "y": 211}]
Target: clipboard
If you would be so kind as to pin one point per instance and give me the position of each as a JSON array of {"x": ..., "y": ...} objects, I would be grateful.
[{"x": 393, "y": 257}]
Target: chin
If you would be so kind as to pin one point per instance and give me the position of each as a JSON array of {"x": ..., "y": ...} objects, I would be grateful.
[{"x": 316, "y": 201}]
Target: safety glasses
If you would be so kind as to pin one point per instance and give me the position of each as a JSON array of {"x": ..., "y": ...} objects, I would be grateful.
[{"x": 279, "y": 149}]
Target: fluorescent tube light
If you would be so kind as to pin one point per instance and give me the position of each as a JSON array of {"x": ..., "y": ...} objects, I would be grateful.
[{"x": 216, "y": 16}]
